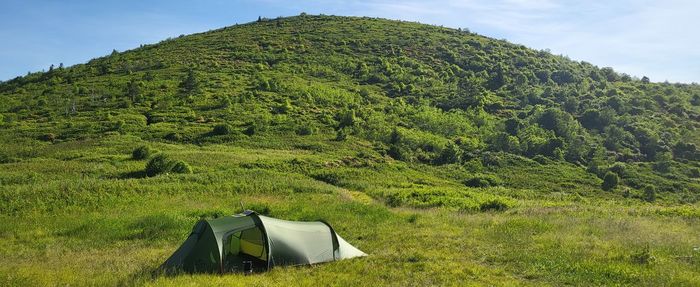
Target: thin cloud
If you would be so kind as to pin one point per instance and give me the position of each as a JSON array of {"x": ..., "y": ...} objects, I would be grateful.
[{"x": 636, "y": 37}]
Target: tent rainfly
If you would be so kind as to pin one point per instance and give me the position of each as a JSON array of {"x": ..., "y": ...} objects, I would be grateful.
[{"x": 249, "y": 241}]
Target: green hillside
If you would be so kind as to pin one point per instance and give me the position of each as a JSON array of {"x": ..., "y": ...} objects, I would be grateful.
[{"x": 449, "y": 157}]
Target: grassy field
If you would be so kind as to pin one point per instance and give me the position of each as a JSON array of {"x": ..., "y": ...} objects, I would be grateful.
[
  {"x": 86, "y": 217},
  {"x": 449, "y": 157}
]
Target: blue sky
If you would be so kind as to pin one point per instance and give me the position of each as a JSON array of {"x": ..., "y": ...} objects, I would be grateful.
[{"x": 658, "y": 39}]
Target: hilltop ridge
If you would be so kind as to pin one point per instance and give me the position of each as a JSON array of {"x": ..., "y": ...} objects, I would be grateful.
[{"x": 421, "y": 93}]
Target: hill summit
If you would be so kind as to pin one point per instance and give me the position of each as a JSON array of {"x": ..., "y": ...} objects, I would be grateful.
[{"x": 418, "y": 93}]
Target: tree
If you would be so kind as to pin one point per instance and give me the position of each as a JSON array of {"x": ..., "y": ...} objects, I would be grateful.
[
  {"x": 507, "y": 143},
  {"x": 450, "y": 154},
  {"x": 663, "y": 162},
  {"x": 650, "y": 193},
  {"x": 133, "y": 90},
  {"x": 558, "y": 121},
  {"x": 190, "y": 84},
  {"x": 347, "y": 119},
  {"x": 563, "y": 77},
  {"x": 645, "y": 80},
  {"x": 595, "y": 119},
  {"x": 616, "y": 138},
  {"x": 513, "y": 125},
  {"x": 610, "y": 180}
]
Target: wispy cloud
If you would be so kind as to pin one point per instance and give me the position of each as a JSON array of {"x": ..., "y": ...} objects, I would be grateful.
[{"x": 637, "y": 37}]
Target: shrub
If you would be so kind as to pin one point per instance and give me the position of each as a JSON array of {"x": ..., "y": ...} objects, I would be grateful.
[
  {"x": 181, "y": 167},
  {"x": 250, "y": 130},
  {"x": 610, "y": 180},
  {"x": 650, "y": 193},
  {"x": 541, "y": 159},
  {"x": 50, "y": 137},
  {"x": 412, "y": 218},
  {"x": 493, "y": 205},
  {"x": 118, "y": 125},
  {"x": 643, "y": 256},
  {"x": 306, "y": 130},
  {"x": 158, "y": 164},
  {"x": 695, "y": 172},
  {"x": 5, "y": 158},
  {"x": 450, "y": 154},
  {"x": 222, "y": 129},
  {"x": 142, "y": 152},
  {"x": 482, "y": 180},
  {"x": 347, "y": 119},
  {"x": 341, "y": 135},
  {"x": 619, "y": 168},
  {"x": 175, "y": 137},
  {"x": 663, "y": 162}
]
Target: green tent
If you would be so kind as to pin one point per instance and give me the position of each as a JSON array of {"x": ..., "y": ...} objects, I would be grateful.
[{"x": 248, "y": 241}]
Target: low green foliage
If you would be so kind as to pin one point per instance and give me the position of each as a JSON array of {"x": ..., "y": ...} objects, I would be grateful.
[
  {"x": 142, "y": 152},
  {"x": 610, "y": 180},
  {"x": 650, "y": 193},
  {"x": 222, "y": 129},
  {"x": 161, "y": 163},
  {"x": 482, "y": 180},
  {"x": 181, "y": 167}
]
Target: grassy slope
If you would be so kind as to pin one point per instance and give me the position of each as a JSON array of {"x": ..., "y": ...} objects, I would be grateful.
[
  {"x": 79, "y": 221},
  {"x": 78, "y": 211}
]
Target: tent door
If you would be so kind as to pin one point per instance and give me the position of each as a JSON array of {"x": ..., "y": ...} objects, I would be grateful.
[{"x": 243, "y": 248}]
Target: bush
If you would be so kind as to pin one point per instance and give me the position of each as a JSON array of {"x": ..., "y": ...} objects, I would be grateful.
[
  {"x": 695, "y": 173},
  {"x": 181, "y": 167},
  {"x": 650, "y": 193},
  {"x": 250, "y": 130},
  {"x": 482, "y": 180},
  {"x": 341, "y": 135},
  {"x": 610, "y": 180},
  {"x": 306, "y": 130},
  {"x": 142, "y": 152},
  {"x": 493, "y": 205},
  {"x": 158, "y": 164},
  {"x": 619, "y": 168},
  {"x": 643, "y": 256},
  {"x": 118, "y": 125},
  {"x": 450, "y": 154},
  {"x": 175, "y": 137},
  {"x": 663, "y": 162},
  {"x": 541, "y": 159},
  {"x": 412, "y": 218},
  {"x": 5, "y": 158},
  {"x": 50, "y": 137},
  {"x": 222, "y": 129}
]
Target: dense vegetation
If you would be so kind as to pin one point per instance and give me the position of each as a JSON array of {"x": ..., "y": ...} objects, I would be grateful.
[{"x": 450, "y": 157}]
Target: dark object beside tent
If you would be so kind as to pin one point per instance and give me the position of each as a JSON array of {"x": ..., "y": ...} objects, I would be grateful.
[{"x": 249, "y": 242}]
